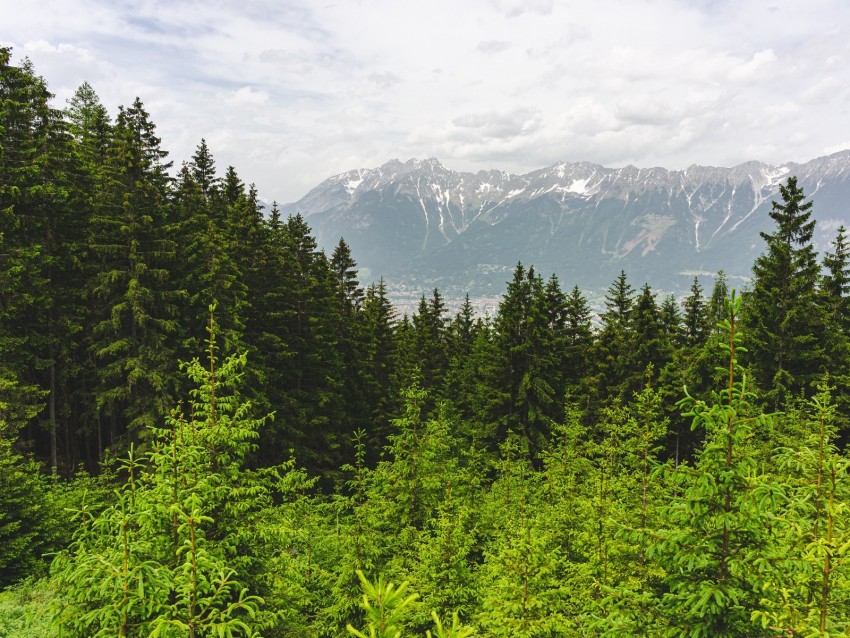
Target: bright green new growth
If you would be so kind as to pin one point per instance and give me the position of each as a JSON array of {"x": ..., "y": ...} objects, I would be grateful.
[
  {"x": 715, "y": 544},
  {"x": 162, "y": 559},
  {"x": 384, "y": 606}
]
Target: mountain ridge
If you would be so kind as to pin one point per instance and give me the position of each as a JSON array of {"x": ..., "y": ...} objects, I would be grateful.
[{"x": 418, "y": 223}]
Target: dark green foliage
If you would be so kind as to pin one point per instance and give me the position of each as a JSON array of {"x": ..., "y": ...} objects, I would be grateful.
[
  {"x": 835, "y": 296},
  {"x": 784, "y": 317},
  {"x": 530, "y": 339},
  {"x": 378, "y": 365},
  {"x": 696, "y": 318},
  {"x": 672, "y": 323},
  {"x": 430, "y": 354},
  {"x": 614, "y": 339},
  {"x": 578, "y": 334},
  {"x": 652, "y": 346},
  {"x": 135, "y": 316},
  {"x": 719, "y": 294},
  {"x": 41, "y": 234}
]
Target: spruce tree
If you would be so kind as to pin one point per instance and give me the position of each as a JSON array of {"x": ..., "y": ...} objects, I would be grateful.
[
  {"x": 43, "y": 218},
  {"x": 784, "y": 318},
  {"x": 716, "y": 540},
  {"x": 527, "y": 356},
  {"x": 380, "y": 355},
  {"x": 136, "y": 314},
  {"x": 614, "y": 342},
  {"x": 177, "y": 549},
  {"x": 651, "y": 347},
  {"x": 90, "y": 126},
  {"x": 696, "y": 317},
  {"x": 463, "y": 375},
  {"x": 719, "y": 293},
  {"x": 430, "y": 342},
  {"x": 206, "y": 266},
  {"x": 835, "y": 295},
  {"x": 671, "y": 321},
  {"x": 578, "y": 334}
]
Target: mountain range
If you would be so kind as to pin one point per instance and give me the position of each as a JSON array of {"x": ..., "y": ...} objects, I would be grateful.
[{"x": 421, "y": 225}]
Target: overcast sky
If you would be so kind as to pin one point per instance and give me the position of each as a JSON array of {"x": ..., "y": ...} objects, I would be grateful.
[{"x": 291, "y": 92}]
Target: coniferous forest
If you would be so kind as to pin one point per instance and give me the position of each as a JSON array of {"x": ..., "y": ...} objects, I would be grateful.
[{"x": 210, "y": 427}]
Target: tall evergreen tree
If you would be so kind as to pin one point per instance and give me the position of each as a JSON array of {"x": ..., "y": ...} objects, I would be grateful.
[
  {"x": 716, "y": 544},
  {"x": 42, "y": 227},
  {"x": 578, "y": 333},
  {"x": 719, "y": 293},
  {"x": 614, "y": 341},
  {"x": 782, "y": 314},
  {"x": 312, "y": 408},
  {"x": 206, "y": 268},
  {"x": 350, "y": 337},
  {"x": 89, "y": 124},
  {"x": 379, "y": 343},
  {"x": 651, "y": 346},
  {"x": 672, "y": 323},
  {"x": 463, "y": 373},
  {"x": 835, "y": 284},
  {"x": 431, "y": 346},
  {"x": 203, "y": 169},
  {"x": 835, "y": 293},
  {"x": 527, "y": 356},
  {"x": 136, "y": 311},
  {"x": 696, "y": 316}
]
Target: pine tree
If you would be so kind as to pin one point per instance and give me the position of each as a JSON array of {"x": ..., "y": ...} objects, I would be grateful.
[
  {"x": 136, "y": 326},
  {"x": 783, "y": 315},
  {"x": 527, "y": 355},
  {"x": 716, "y": 540},
  {"x": 614, "y": 341},
  {"x": 380, "y": 355},
  {"x": 430, "y": 342},
  {"x": 579, "y": 342},
  {"x": 348, "y": 289},
  {"x": 719, "y": 294},
  {"x": 696, "y": 317},
  {"x": 835, "y": 295},
  {"x": 809, "y": 586},
  {"x": 350, "y": 336},
  {"x": 463, "y": 375},
  {"x": 203, "y": 169},
  {"x": 24, "y": 503},
  {"x": 206, "y": 266},
  {"x": 177, "y": 549},
  {"x": 42, "y": 227},
  {"x": 671, "y": 321},
  {"x": 90, "y": 126},
  {"x": 91, "y": 132},
  {"x": 302, "y": 326},
  {"x": 651, "y": 346}
]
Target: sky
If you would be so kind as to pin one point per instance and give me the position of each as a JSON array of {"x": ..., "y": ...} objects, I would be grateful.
[{"x": 291, "y": 92}]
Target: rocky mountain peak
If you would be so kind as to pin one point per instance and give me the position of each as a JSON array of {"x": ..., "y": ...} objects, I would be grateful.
[{"x": 422, "y": 223}]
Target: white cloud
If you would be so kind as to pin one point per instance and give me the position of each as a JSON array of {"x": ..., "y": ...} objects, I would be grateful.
[
  {"x": 493, "y": 46},
  {"x": 43, "y": 46},
  {"x": 246, "y": 96},
  {"x": 292, "y": 91},
  {"x": 757, "y": 64}
]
